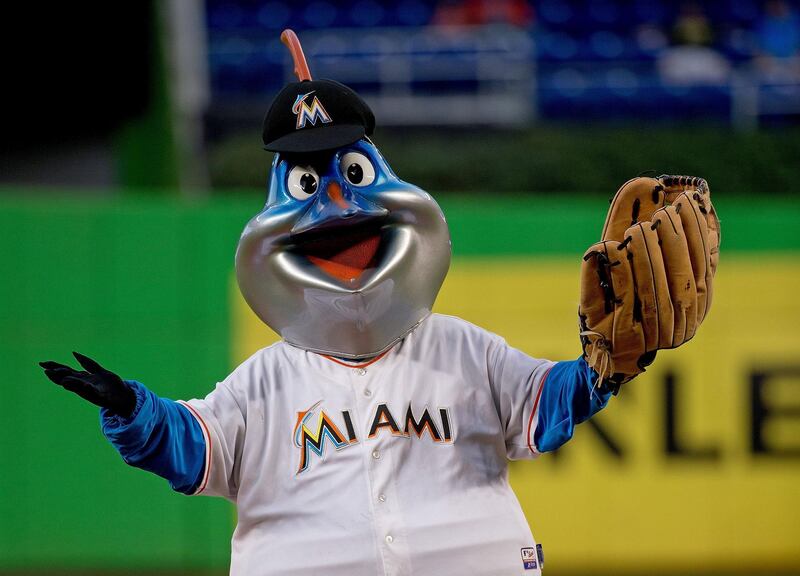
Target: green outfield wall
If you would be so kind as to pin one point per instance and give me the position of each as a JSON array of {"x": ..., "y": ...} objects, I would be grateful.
[{"x": 143, "y": 284}]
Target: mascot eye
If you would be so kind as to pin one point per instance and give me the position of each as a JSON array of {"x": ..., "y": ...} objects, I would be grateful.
[
  {"x": 302, "y": 182},
  {"x": 357, "y": 169}
]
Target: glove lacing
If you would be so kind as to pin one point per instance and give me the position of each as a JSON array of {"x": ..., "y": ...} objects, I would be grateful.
[{"x": 603, "y": 347}]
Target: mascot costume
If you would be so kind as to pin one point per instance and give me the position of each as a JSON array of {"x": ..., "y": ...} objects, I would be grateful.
[{"x": 374, "y": 439}]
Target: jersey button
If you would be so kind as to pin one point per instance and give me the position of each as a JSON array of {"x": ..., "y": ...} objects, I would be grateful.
[
  {"x": 382, "y": 497},
  {"x": 361, "y": 371},
  {"x": 376, "y": 454},
  {"x": 367, "y": 392},
  {"x": 389, "y": 538}
]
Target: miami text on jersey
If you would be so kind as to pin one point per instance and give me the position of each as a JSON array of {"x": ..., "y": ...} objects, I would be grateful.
[{"x": 312, "y": 438}]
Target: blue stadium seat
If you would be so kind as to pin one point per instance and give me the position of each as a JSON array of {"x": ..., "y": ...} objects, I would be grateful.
[
  {"x": 556, "y": 46},
  {"x": 274, "y": 15},
  {"x": 367, "y": 13},
  {"x": 412, "y": 13},
  {"x": 320, "y": 14},
  {"x": 649, "y": 12},
  {"x": 605, "y": 13},
  {"x": 607, "y": 45},
  {"x": 555, "y": 12}
]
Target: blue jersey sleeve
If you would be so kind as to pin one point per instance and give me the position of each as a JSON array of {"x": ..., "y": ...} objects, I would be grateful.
[
  {"x": 160, "y": 436},
  {"x": 569, "y": 397}
]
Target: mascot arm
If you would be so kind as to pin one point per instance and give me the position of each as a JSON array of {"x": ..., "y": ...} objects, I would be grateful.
[
  {"x": 569, "y": 397},
  {"x": 160, "y": 436}
]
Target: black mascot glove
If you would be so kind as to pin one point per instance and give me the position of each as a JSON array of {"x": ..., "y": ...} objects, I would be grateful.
[{"x": 96, "y": 384}]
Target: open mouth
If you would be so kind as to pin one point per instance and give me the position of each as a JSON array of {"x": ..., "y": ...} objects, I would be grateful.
[{"x": 344, "y": 253}]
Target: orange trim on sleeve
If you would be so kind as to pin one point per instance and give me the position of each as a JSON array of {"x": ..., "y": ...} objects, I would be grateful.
[
  {"x": 207, "y": 436},
  {"x": 535, "y": 408}
]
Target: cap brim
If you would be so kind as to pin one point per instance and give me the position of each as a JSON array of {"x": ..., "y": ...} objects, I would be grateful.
[{"x": 317, "y": 138}]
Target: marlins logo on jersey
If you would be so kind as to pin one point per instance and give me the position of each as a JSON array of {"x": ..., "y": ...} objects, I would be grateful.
[
  {"x": 311, "y": 112},
  {"x": 312, "y": 439}
]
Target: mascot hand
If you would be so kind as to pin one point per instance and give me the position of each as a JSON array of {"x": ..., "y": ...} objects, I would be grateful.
[
  {"x": 95, "y": 384},
  {"x": 647, "y": 285}
]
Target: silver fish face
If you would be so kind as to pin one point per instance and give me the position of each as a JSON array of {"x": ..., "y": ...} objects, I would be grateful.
[{"x": 345, "y": 259}]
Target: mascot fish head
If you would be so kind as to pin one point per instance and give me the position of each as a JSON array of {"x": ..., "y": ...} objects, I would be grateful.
[{"x": 345, "y": 258}]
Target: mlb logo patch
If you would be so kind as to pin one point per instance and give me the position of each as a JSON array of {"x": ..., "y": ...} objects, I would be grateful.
[{"x": 529, "y": 558}]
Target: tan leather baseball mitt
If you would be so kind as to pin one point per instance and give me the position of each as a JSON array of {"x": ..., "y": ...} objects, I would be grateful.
[{"x": 648, "y": 284}]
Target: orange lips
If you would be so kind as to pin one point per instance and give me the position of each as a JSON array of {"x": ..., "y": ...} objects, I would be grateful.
[
  {"x": 349, "y": 250},
  {"x": 348, "y": 262}
]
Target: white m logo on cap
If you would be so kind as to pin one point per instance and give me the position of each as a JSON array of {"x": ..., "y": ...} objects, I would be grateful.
[{"x": 305, "y": 112}]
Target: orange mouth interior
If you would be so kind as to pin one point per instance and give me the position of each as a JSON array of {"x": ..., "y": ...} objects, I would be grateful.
[{"x": 344, "y": 258}]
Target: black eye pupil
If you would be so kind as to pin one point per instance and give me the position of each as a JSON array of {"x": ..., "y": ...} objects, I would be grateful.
[
  {"x": 308, "y": 183},
  {"x": 355, "y": 173}
]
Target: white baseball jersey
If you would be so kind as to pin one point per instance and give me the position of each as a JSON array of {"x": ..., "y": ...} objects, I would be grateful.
[{"x": 394, "y": 467}]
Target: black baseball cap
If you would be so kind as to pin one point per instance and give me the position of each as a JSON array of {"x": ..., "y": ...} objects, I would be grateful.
[{"x": 316, "y": 115}]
